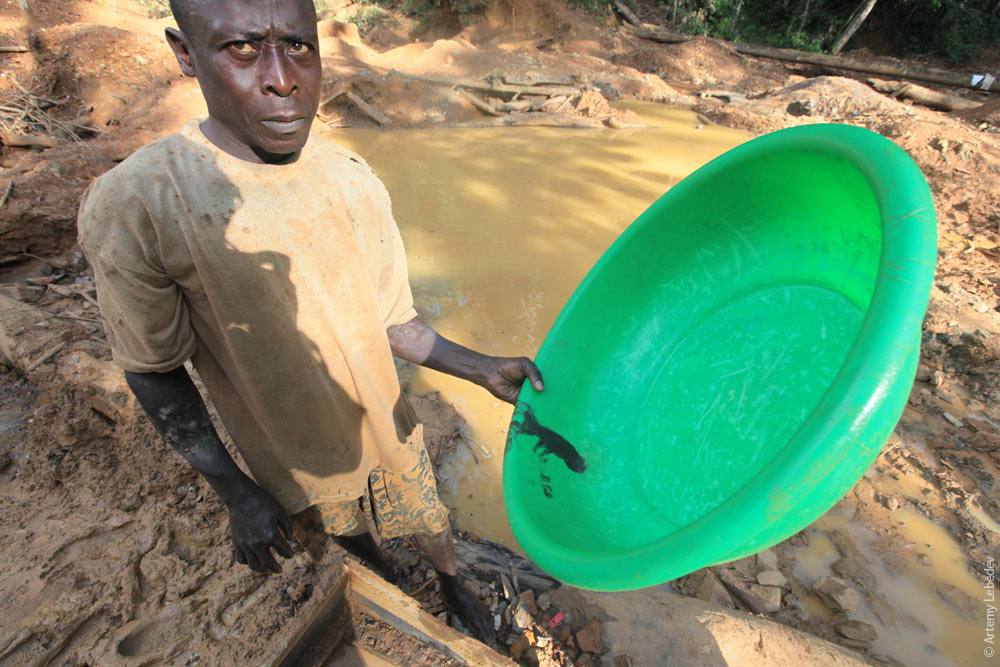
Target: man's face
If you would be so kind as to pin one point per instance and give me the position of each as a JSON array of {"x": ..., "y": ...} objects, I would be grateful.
[{"x": 259, "y": 68}]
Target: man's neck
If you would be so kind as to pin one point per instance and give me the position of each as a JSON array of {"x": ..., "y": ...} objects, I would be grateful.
[{"x": 224, "y": 140}]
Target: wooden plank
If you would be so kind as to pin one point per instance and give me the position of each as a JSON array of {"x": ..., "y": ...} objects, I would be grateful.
[
  {"x": 393, "y": 606},
  {"x": 324, "y": 622}
]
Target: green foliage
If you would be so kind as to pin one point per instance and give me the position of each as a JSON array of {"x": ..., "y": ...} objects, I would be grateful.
[
  {"x": 950, "y": 29},
  {"x": 367, "y": 16},
  {"x": 157, "y": 9}
]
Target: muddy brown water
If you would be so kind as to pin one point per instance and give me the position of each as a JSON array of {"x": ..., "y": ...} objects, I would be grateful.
[{"x": 501, "y": 226}]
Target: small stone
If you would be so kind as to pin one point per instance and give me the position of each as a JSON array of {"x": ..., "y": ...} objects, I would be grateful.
[
  {"x": 712, "y": 590},
  {"x": 801, "y": 108},
  {"x": 856, "y": 630},
  {"x": 771, "y": 578},
  {"x": 584, "y": 659},
  {"x": 564, "y": 632},
  {"x": 923, "y": 560},
  {"x": 521, "y": 617},
  {"x": 181, "y": 491},
  {"x": 5, "y": 461},
  {"x": 836, "y": 594},
  {"x": 298, "y": 592},
  {"x": 519, "y": 646},
  {"x": 589, "y": 638},
  {"x": 952, "y": 420},
  {"x": 767, "y": 560},
  {"x": 891, "y": 503},
  {"x": 768, "y": 596},
  {"x": 528, "y": 600},
  {"x": 497, "y": 622},
  {"x": 624, "y": 661},
  {"x": 544, "y": 601}
]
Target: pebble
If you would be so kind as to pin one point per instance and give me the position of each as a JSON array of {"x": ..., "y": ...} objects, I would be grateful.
[
  {"x": 5, "y": 461},
  {"x": 767, "y": 560},
  {"x": 771, "y": 578},
  {"x": 857, "y": 630},
  {"x": 589, "y": 638},
  {"x": 768, "y": 596},
  {"x": 836, "y": 594},
  {"x": 544, "y": 601}
]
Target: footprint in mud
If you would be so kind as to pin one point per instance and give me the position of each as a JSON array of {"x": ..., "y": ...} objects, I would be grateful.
[{"x": 145, "y": 637}]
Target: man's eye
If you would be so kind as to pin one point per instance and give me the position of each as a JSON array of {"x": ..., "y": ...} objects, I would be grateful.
[
  {"x": 242, "y": 48},
  {"x": 298, "y": 47}
]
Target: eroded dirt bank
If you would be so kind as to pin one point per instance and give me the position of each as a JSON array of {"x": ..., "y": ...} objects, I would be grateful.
[{"x": 116, "y": 551}]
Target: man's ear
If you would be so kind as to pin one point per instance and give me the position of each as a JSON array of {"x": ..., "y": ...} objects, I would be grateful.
[{"x": 182, "y": 50}]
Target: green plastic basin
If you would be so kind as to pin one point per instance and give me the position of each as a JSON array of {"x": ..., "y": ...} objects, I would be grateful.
[{"x": 731, "y": 366}]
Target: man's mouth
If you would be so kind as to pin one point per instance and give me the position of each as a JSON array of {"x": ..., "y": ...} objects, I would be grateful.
[{"x": 284, "y": 125}]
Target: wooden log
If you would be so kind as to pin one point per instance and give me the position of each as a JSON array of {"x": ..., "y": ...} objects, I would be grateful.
[
  {"x": 479, "y": 103},
  {"x": 655, "y": 33},
  {"x": 625, "y": 11},
  {"x": 886, "y": 69},
  {"x": 921, "y": 95},
  {"x": 486, "y": 560},
  {"x": 391, "y": 605},
  {"x": 13, "y": 49},
  {"x": 534, "y": 79},
  {"x": 368, "y": 109},
  {"x": 495, "y": 89},
  {"x": 27, "y": 141},
  {"x": 536, "y": 119}
]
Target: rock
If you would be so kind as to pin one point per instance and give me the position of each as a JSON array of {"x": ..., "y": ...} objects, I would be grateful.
[
  {"x": 891, "y": 503},
  {"x": 801, "y": 108},
  {"x": 544, "y": 601},
  {"x": 768, "y": 596},
  {"x": 624, "y": 660},
  {"x": 519, "y": 646},
  {"x": 856, "y": 630},
  {"x": 564, "y": 633},
  {"x": 712, "y": 590},
  {"x": 589, "y": 638},
  {"x": 771, "y": 578},
  {"x": 836, "y": 594},
  {"x": 521, "y": 617},
  {"x": 528, "y": 600},
  {"x": 5, "y": 461},
  {"x": 767, "y": 560},
  {"x": 584, "y": 659}
]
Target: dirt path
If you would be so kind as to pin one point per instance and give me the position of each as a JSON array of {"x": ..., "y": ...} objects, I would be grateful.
[{"x": 116, "y": 550}]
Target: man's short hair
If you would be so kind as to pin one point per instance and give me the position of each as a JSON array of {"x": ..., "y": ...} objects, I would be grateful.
[{"x": 185, "y": 13}]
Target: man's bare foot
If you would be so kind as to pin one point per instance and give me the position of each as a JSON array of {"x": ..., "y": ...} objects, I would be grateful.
[{"x": 467, "y": 606}]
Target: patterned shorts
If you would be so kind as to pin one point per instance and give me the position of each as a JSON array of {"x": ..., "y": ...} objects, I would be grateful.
[{"x": 393, "y": 504}]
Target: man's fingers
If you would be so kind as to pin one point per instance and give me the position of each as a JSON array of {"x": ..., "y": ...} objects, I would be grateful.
[
  {"x": 286, "y": 525},
  {"x": 531, "y": 370},
  {"x": 281, "y": 546},
  {"x": 267, "y": 562},
  {"x": 239, "y": 555},
  {"x": 252, "y": 562}
]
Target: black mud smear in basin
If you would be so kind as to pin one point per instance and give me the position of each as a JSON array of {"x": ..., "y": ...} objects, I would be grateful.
[{"x": 549, "y": 442}]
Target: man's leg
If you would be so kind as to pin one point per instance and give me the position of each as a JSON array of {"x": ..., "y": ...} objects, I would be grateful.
[
  {"x": 360, "y": 543},
  {"x": 440, "y": 548}
]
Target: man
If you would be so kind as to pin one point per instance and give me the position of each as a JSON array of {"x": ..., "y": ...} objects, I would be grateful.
[{"x": 275, "y": 266}]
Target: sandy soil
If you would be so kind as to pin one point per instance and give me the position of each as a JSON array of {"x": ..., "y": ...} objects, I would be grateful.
[{"x": 115, "y": 550}]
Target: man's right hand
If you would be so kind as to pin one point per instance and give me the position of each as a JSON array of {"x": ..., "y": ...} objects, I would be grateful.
[{"x": 258, "y": 523}]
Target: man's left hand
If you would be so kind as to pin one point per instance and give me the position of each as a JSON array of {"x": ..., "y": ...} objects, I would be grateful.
[{"x": 505, "y": 375}]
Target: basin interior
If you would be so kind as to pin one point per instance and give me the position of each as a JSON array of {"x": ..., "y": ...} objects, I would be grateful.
[{"x": 704, "y": 339}]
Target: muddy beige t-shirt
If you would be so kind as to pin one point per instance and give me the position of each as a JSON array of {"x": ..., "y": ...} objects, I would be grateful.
[{"x": 279, "y": 283}]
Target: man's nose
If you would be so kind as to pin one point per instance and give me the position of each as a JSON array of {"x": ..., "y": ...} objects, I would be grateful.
[{"x": 277, "y": 77}]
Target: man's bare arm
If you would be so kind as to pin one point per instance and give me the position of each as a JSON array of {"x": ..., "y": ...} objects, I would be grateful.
[
  {"x": 256, "y": 520},
  {"x": 418, "y": 343}
]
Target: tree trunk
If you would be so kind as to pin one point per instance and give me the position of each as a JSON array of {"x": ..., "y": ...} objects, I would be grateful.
[
  {"x": 674, "y": 19},
  {"x": 857, "y": 19},
  {"x": 739, "y": 8},
  {"x": 805, "y": 16},
  {"x": 885, "y": 69}
]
